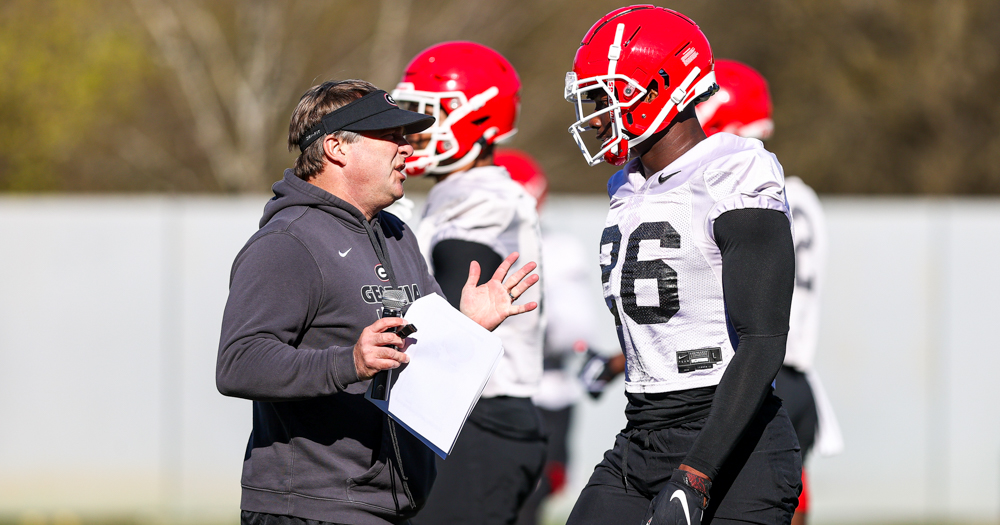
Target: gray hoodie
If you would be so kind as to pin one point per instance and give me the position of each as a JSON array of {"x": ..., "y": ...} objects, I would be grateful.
[{"x": 301, "y": 291}]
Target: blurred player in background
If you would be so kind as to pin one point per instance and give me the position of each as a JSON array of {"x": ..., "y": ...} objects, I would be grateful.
[
  {"x": 475, "y": 212},
  {"x": 698, "y": 267},
  {"x": 569, "y": 329},
  {"x": 743, "y": 107}
]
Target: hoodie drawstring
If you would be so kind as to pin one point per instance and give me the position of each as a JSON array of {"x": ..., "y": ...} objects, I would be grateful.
[
  {"x": 378, "y": 243},
  {"x": 399, "y": 459}
]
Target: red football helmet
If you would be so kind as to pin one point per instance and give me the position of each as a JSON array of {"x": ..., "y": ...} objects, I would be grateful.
[
  {"x": 628, "y": 53},
  {"x": 742, "y": 106},
  {"x": 474, "y": 93},
  {"x": 524, "y": 170}
]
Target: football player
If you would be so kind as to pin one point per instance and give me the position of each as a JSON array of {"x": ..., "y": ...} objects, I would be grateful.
[
  {"x": 743, "y": 107},
  {"x": 569, "y": 329},
  {"x": 475, "y": 212},
  {"x": 698, "y": 267}
]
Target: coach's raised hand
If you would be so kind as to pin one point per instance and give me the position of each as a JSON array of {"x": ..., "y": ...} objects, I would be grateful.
[{"x": 492, "y": 302}]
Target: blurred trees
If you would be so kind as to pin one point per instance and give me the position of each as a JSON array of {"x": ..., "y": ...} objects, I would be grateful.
[
  {"x": 233, "y": 87},
  {"x": 889, "y": 96},
  {"x": 66, "y": 68}
]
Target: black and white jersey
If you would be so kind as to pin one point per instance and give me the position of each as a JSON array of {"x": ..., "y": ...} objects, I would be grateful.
[
  {"x": 661, "y": 267},
  {"x": 483, "y": 205}
]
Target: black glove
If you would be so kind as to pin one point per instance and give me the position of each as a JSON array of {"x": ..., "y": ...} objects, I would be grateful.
[
  {"x": 681, "y": 502},
  {"x": 595, "y": 374}
]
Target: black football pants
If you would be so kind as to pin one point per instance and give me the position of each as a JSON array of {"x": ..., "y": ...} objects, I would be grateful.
[
  {"x": 485, "y": 480},
  {"x": 797, "y": 397},
  {"x": 759, "y": 482}
]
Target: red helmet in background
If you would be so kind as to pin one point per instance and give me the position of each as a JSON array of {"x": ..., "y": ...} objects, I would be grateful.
[
  {"x": 626, "y": 54},
  {"x": 474, "y": 93},
  {"x": 524, "y": 170},
  {"x": 743, "y": 104}
]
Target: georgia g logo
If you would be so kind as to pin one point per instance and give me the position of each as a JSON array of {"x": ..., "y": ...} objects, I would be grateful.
[
  {"x": 389, "y": 99},
  {"x": 381, "y": 273}
]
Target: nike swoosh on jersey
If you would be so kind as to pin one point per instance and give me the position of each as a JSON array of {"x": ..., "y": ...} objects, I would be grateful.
[
  {"x": 663, "y": 178},
  {"x": 344, "y": 254},
  {"x": 683, "y": 499}
]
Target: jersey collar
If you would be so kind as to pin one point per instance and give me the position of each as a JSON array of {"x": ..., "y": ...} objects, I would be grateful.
[{"x": 678, "y": 172}]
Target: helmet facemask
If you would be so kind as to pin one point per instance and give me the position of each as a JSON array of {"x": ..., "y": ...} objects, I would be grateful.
[
  {"x": 443, "y": 145},
  {"x": 614, "y": 149}
]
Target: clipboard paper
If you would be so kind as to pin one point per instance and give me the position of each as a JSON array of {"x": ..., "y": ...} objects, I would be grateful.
[{"x": 451, "y": 360}]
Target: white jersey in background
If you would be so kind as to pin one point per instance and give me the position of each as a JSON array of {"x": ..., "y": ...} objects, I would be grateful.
[
  {"x": 661, "y": 267},
  {"x": 483, "y": 205},
  {"x": 810, "y": 258},
  {"x": 569, "y": 314},
  {"x": 803, "y": 330},
  {"x": 402, "y": 208}
]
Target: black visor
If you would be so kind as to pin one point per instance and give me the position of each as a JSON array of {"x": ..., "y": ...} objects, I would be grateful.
[{"x": 374, "y": 111}]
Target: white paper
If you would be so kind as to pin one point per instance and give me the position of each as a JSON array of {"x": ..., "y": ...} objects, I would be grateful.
[{"x": 451, "y": 359}]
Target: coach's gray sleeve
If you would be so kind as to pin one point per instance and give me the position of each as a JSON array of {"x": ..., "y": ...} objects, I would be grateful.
[{"x": 275, "y": 291}]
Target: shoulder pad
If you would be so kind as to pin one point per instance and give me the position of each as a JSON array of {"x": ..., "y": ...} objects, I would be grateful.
[{"x": 616, "y": 181}]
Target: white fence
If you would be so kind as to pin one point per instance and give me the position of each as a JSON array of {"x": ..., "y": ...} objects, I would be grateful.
[{"x": 109, "y": 321}]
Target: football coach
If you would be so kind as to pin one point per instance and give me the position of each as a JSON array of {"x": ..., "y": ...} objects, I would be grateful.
[{"x": 302, "y": 333}]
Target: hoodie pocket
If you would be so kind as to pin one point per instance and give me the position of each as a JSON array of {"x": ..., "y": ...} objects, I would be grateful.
[
  {"x": 376, "y": 487},
  {"x": 383, "y": 486},
  {"x": 368, "y": 476}
]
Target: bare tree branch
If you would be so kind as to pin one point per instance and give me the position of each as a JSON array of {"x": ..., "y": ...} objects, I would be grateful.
[
  {"x": 386, "y": 60},
  {"x": 196, "y": 83},
  {"x": 234, "y": 92}
]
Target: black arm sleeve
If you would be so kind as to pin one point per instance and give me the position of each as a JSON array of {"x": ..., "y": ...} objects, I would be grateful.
[
  {"x": 758, "y": 276},
  {"x": 451, "y": 258}
]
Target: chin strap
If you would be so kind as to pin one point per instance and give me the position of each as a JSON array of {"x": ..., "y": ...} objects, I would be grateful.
[{"x": 471, "y": 156}]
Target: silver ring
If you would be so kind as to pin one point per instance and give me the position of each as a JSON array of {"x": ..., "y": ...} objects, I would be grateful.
[{"x": 511, "y": 296}]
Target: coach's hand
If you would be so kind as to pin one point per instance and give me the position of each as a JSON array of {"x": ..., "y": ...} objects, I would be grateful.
[
  {"x": 492, "y": 302},
  {"x": 376, "y": 349},
  {"x": 681, "y": 502}
]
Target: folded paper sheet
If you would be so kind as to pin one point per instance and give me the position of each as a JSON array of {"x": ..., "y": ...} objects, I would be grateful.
[{"x": 451, "y": 359}]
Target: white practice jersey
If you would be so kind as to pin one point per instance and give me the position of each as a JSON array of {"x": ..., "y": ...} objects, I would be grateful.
[
  {"x": 810, "y": 260},
  {"x": 661, "y": 266},
  {"x": 483, "y": 205},
  {"x": 803, "y": 324},
  {"x": 570, "y": 316}
]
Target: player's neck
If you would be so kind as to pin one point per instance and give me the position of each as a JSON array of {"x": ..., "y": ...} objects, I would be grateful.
[
  {"x": 486, "y": 160},
  {"x": 677, "y": 139}
]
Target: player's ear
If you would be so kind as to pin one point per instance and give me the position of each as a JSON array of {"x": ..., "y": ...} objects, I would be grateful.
[
  {"x": 335, "y": 150},
  {"x": 651, "y": 94}
]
